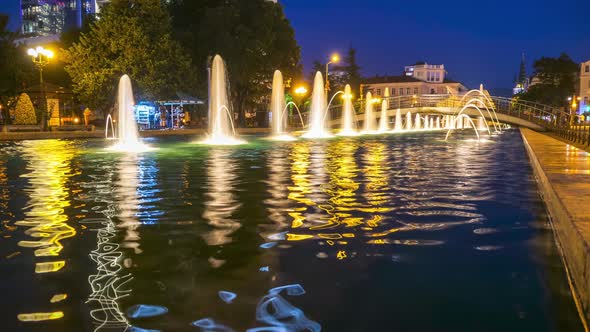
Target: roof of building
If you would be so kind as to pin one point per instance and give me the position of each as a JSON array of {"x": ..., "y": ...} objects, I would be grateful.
[{"x": 400, "y": 79}]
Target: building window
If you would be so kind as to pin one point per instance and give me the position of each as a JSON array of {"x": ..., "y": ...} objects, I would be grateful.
[
  {"x": 415, "y": 91},
  {"x": 401, "y": 91},
  {"x": 392, "y": 91},
  {"x": 432, "y": 91},
  {"x": 588, "y": 68},
  {"x": 437, "y": 76},
  {"x": 378, "y": 92},
  {"x": 408, "y": 91}
]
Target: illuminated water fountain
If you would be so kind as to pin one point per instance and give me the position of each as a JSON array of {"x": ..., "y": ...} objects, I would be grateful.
[
  {"x": 409, "y": 121},
  {"x": 383, "y": 121},
  {"x": 398, "y": 120},
  {"x": 318, "y": 113},
  {"x": 278, "y": 109},
  {"x": 417, "y": 124},
  {"x": 348, "y": 121},
  {"x": 221, "y": 127},
  {"x": 369, "y": 118},
  {"x": 127, "y": 132}
]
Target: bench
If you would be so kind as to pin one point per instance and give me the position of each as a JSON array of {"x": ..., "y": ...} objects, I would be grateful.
[
  {"x": 72, "y": 128},
  {"x": 22, "y": 128}
]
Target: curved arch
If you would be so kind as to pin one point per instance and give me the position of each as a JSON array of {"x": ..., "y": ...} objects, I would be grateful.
[
  {"x": 480, "y": 112},
  {"x": 495, "y": 121},
  {"x": 299, "y": 112},
  {"x": 461, "y": 116},
  {"x": 470, "y": 104},
  {"x": 227, "y": 111},
  {"x": 106, "y": 130}
]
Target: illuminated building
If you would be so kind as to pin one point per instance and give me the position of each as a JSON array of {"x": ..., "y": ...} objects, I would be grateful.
[
  {"x": 522, "y": 82},
  {"x": 418, "y": 79},
  {"x": 584, "y": 87},
  {"x": 52, "y": 17}
]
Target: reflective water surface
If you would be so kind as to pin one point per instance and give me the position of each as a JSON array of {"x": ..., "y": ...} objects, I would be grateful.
[{"x": 380, "y": 233}]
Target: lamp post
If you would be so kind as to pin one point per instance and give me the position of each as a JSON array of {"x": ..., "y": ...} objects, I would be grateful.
[
  {"x": 334, "y": 59},
  {"x": 41, "y": 57},
  {"x": 573, "y": 108}
]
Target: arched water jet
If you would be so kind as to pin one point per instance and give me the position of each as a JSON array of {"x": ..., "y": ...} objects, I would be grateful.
[
  {"x": 221, "y": 127},
  {"x": 480, "y": 113},
  {"x": 317, "y": 125},
  {"x": 109, "y": 123},
  {"x": 495, "y": 121},
  {"x": 460, "y": 118}
]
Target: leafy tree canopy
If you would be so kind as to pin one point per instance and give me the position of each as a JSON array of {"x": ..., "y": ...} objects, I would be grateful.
[
  {"x": 557, "y": 81},
  {"x": 131, "y": 37},
  {"x": 254, "y": 38},
  {"x": 16, "y": 67}
]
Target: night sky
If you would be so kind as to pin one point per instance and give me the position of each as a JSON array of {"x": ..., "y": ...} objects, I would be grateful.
[{"x": 477, "y": 41}]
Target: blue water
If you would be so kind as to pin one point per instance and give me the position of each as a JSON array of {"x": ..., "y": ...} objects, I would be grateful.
[{"x": 381, "y": 233}]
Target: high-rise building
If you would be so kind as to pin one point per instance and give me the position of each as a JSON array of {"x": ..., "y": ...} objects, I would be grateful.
[
  {"x": 585, "y": 87},
  {"x": 52, "y": 17}
]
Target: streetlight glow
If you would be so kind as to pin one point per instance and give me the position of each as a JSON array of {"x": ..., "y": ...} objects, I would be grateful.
[
  {"x": 335, "y": 58},
  {"x": 301, "y": 90}
]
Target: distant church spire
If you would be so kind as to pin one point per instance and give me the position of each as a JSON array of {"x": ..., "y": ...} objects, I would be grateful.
[
  {"x": 521, "y": 81},
  {"x": 522, "y": 71}
]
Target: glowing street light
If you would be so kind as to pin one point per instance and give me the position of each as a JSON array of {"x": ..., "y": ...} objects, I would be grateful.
[
  {"x": 334, "y": 59},
  {"x": 301, "y": 91},
  {"x": 41, "y": 57}
]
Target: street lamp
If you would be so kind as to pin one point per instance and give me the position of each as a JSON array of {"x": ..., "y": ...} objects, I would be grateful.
[
  {"x": 41, "y": 57},
  {"x": 334, "y": 59}
]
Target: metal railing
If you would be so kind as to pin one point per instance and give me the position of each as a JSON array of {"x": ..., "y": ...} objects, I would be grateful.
[{"x": 547, "y": 117}]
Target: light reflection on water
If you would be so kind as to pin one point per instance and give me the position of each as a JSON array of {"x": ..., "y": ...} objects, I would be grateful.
[{"x": 379, "y": 232}]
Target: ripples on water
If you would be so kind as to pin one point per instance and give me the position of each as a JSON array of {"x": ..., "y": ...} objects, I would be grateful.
[{"x": 378, "y": 233}]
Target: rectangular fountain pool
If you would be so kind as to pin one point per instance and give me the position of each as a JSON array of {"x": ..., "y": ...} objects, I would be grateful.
[{"x": 374, "y": 233}]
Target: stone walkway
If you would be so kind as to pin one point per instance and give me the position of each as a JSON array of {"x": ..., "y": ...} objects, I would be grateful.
[{"x": 563, "y": 175}]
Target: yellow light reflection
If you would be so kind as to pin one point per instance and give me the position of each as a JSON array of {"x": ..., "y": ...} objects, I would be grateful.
[
  {"x": 49, "y": 169},
  {"x": 40, "y": 316}
]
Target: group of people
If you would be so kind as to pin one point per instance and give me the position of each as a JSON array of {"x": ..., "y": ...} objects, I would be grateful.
[{"x": 173, "y": 118}]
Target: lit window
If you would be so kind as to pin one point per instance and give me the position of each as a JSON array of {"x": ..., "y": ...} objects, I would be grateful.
[
  {"x": 408, "y": 91},
  {"x": 401, "y": 91},
  {"x": 378, "y": 92}
]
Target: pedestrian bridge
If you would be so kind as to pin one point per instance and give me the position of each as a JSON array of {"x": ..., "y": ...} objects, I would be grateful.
[{"x": 475, "y": 103}]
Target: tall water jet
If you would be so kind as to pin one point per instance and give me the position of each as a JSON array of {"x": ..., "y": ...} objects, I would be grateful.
[
  {"x": 438, "y": 122},
  {"x": 409, "y": 121},
  {"x": 417, "y": 124},
  {"x": 317, "y": 116},
  {"x": 127, "y": 132},
  {"x": 431, "y": 125},
  {"x": 481, "y": 123},
  {"x": 348, "y": 127},
  {"x": 369, "y": 119},
  {"x": 278, "y": 109},
  {"x": 383, "y": 121},
  {"x": 426, "y": 122},
  {"x": 398, "y": 120},
  {"x": 221, "y": 128}
]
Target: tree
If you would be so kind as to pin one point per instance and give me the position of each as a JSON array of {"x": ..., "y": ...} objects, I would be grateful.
[
  {"x": 16, "y": 68},
  {"x": 131, "y": 37},
  {"x": 24, "y": 112},
  {"x": 352, "y": 69},
  {"x": 557, "y": 81},
  {"x": 254, "y": 38}
]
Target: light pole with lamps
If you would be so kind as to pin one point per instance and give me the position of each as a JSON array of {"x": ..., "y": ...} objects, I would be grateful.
[
  {"x": 41, "y": 57},
  {"x": 334, "y": 59}
]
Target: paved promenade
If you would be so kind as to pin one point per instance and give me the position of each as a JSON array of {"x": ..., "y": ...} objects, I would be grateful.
[{"x": 563, "y": 175}]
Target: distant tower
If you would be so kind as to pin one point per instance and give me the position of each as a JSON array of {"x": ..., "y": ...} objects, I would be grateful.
[{"x": 521, "y": 81}]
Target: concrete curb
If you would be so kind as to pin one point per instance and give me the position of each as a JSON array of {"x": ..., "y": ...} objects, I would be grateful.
[{"x": 574, "y": 248}]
